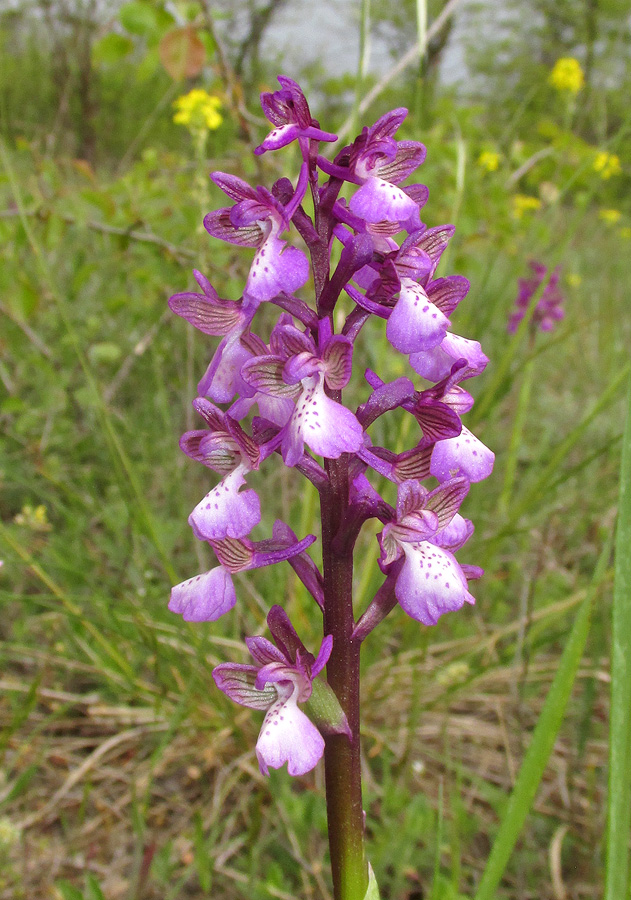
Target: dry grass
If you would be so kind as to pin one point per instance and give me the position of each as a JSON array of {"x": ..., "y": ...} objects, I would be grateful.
[{"x": 114, "y": 790}]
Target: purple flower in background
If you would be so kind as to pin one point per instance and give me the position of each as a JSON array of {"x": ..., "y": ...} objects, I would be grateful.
[
  {"x": 280, "y": 680},
  {"x": 549, "y": 309}
]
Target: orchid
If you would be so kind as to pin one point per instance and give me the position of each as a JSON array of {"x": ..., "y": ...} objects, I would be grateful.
[
  {"x": 549, "y": 308},
  {"x": 279, "y": 393},
  {"x": 278, "y": 682}
]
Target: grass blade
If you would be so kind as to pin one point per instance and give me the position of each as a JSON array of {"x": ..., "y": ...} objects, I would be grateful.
[
  {"x": 542, "y": 742},
  {"x": 619, "y": 803}
]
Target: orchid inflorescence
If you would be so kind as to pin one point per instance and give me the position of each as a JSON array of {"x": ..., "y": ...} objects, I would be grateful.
[
  {"x": 294, "y": 380},
  {"x": 548, "y": 308}
]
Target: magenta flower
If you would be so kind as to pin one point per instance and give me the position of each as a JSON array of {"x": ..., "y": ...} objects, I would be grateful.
[
  {"x": 278, "y": 682},
  {"x": 206, "y": 597},
  {"x": 549, "y": 309},
  {"x": 429, "y": 581},
  {"x": 256, "y": 220},
  {"x": 289, "y": 112}
]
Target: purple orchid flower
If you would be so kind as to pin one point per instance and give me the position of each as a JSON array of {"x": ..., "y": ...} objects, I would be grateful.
[
  {"x": 289, "y": 112},
  {"x": 256, "y": 220},
  {"x": 549, "y": 309},
  {"x": 379, "y": 163},
  {"x": 300, "y": 370},
  {"x": 430, "y": 581},
  {"x": 278, "y": 682},
  {"x": 206, "y": 597}
]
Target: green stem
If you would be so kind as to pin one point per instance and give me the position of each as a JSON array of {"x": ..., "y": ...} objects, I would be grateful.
[{"x": 341, "y": 756}]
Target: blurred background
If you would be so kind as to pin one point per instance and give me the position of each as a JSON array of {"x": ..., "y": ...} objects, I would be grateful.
[{"x": 125, "y": 773}]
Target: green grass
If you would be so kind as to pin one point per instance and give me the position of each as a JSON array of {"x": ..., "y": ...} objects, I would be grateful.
[{"x": 126, "y": 772}]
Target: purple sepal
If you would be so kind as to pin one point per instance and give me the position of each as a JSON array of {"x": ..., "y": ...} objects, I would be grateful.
[
  {"x": 219, "y": 225},
  {"x": 446, "y": 500},
  {"x": 265, "y": 373},
  {"x": 237, "y": 682},
  {"x": 338, "y": 361},
  {"x": 279, "y": 624},
  {"x": 409, "y": 156},
  {"x": 207, "y": 312},
  {"x": 264, "y": 652},
  {"x": 302, "y": 564},
  {"x": 437, "y": 420},
  {"x": 413, "y": 463},
  {"x": 216, "y": 451},
  {"x": 462, "y": 455},
  {"x": 447, "y": 293},
  {"x": 204, "y": 598}
]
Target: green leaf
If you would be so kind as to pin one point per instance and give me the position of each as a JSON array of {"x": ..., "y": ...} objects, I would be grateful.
[
  {"x": 111, "y": 49},
  {"x": 68, "y": 891},
  {"x": 138, "y": 18},
  {"x": 542, "y": 742},
  {"x": 619, "y": 800},
  {"x": 373, "y": 890},
  {"x": 93, "y": 889}
]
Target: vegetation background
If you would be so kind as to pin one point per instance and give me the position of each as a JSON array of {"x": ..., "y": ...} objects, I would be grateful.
[{"x": 125, "y": 773}]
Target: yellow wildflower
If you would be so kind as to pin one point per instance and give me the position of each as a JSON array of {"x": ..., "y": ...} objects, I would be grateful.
[
  {"x": 522, "y": 203},
  {"x": 607, "y": 164},
  {"x": 567, "y": 75},
  {"x": 573, "y": 279},
  {"x": 35, "y": 518},
  {"x": 610, "y": 216},
  {"x": 198, "y": 110},
  {"x": 489, "y": 160},
  {"x": 625, "y": 232}
]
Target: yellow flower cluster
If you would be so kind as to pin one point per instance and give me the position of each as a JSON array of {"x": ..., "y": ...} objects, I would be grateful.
[
  {"x": 198, "y": 110},
  {"x": 522, "y": 203},
  {"x": 489, "y": 160},
  {"x": 35, "y": 518},
  {"x": 607, "y": 164},
  {"x": 567, "y": 75},
  {"x": 610, "y": 216}
]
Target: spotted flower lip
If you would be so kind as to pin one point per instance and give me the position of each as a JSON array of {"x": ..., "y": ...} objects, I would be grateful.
[
  {"x": 226, "y": 511},
  {"x": 277, "y": 683},
  {"x": 430, "y": 582}
]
